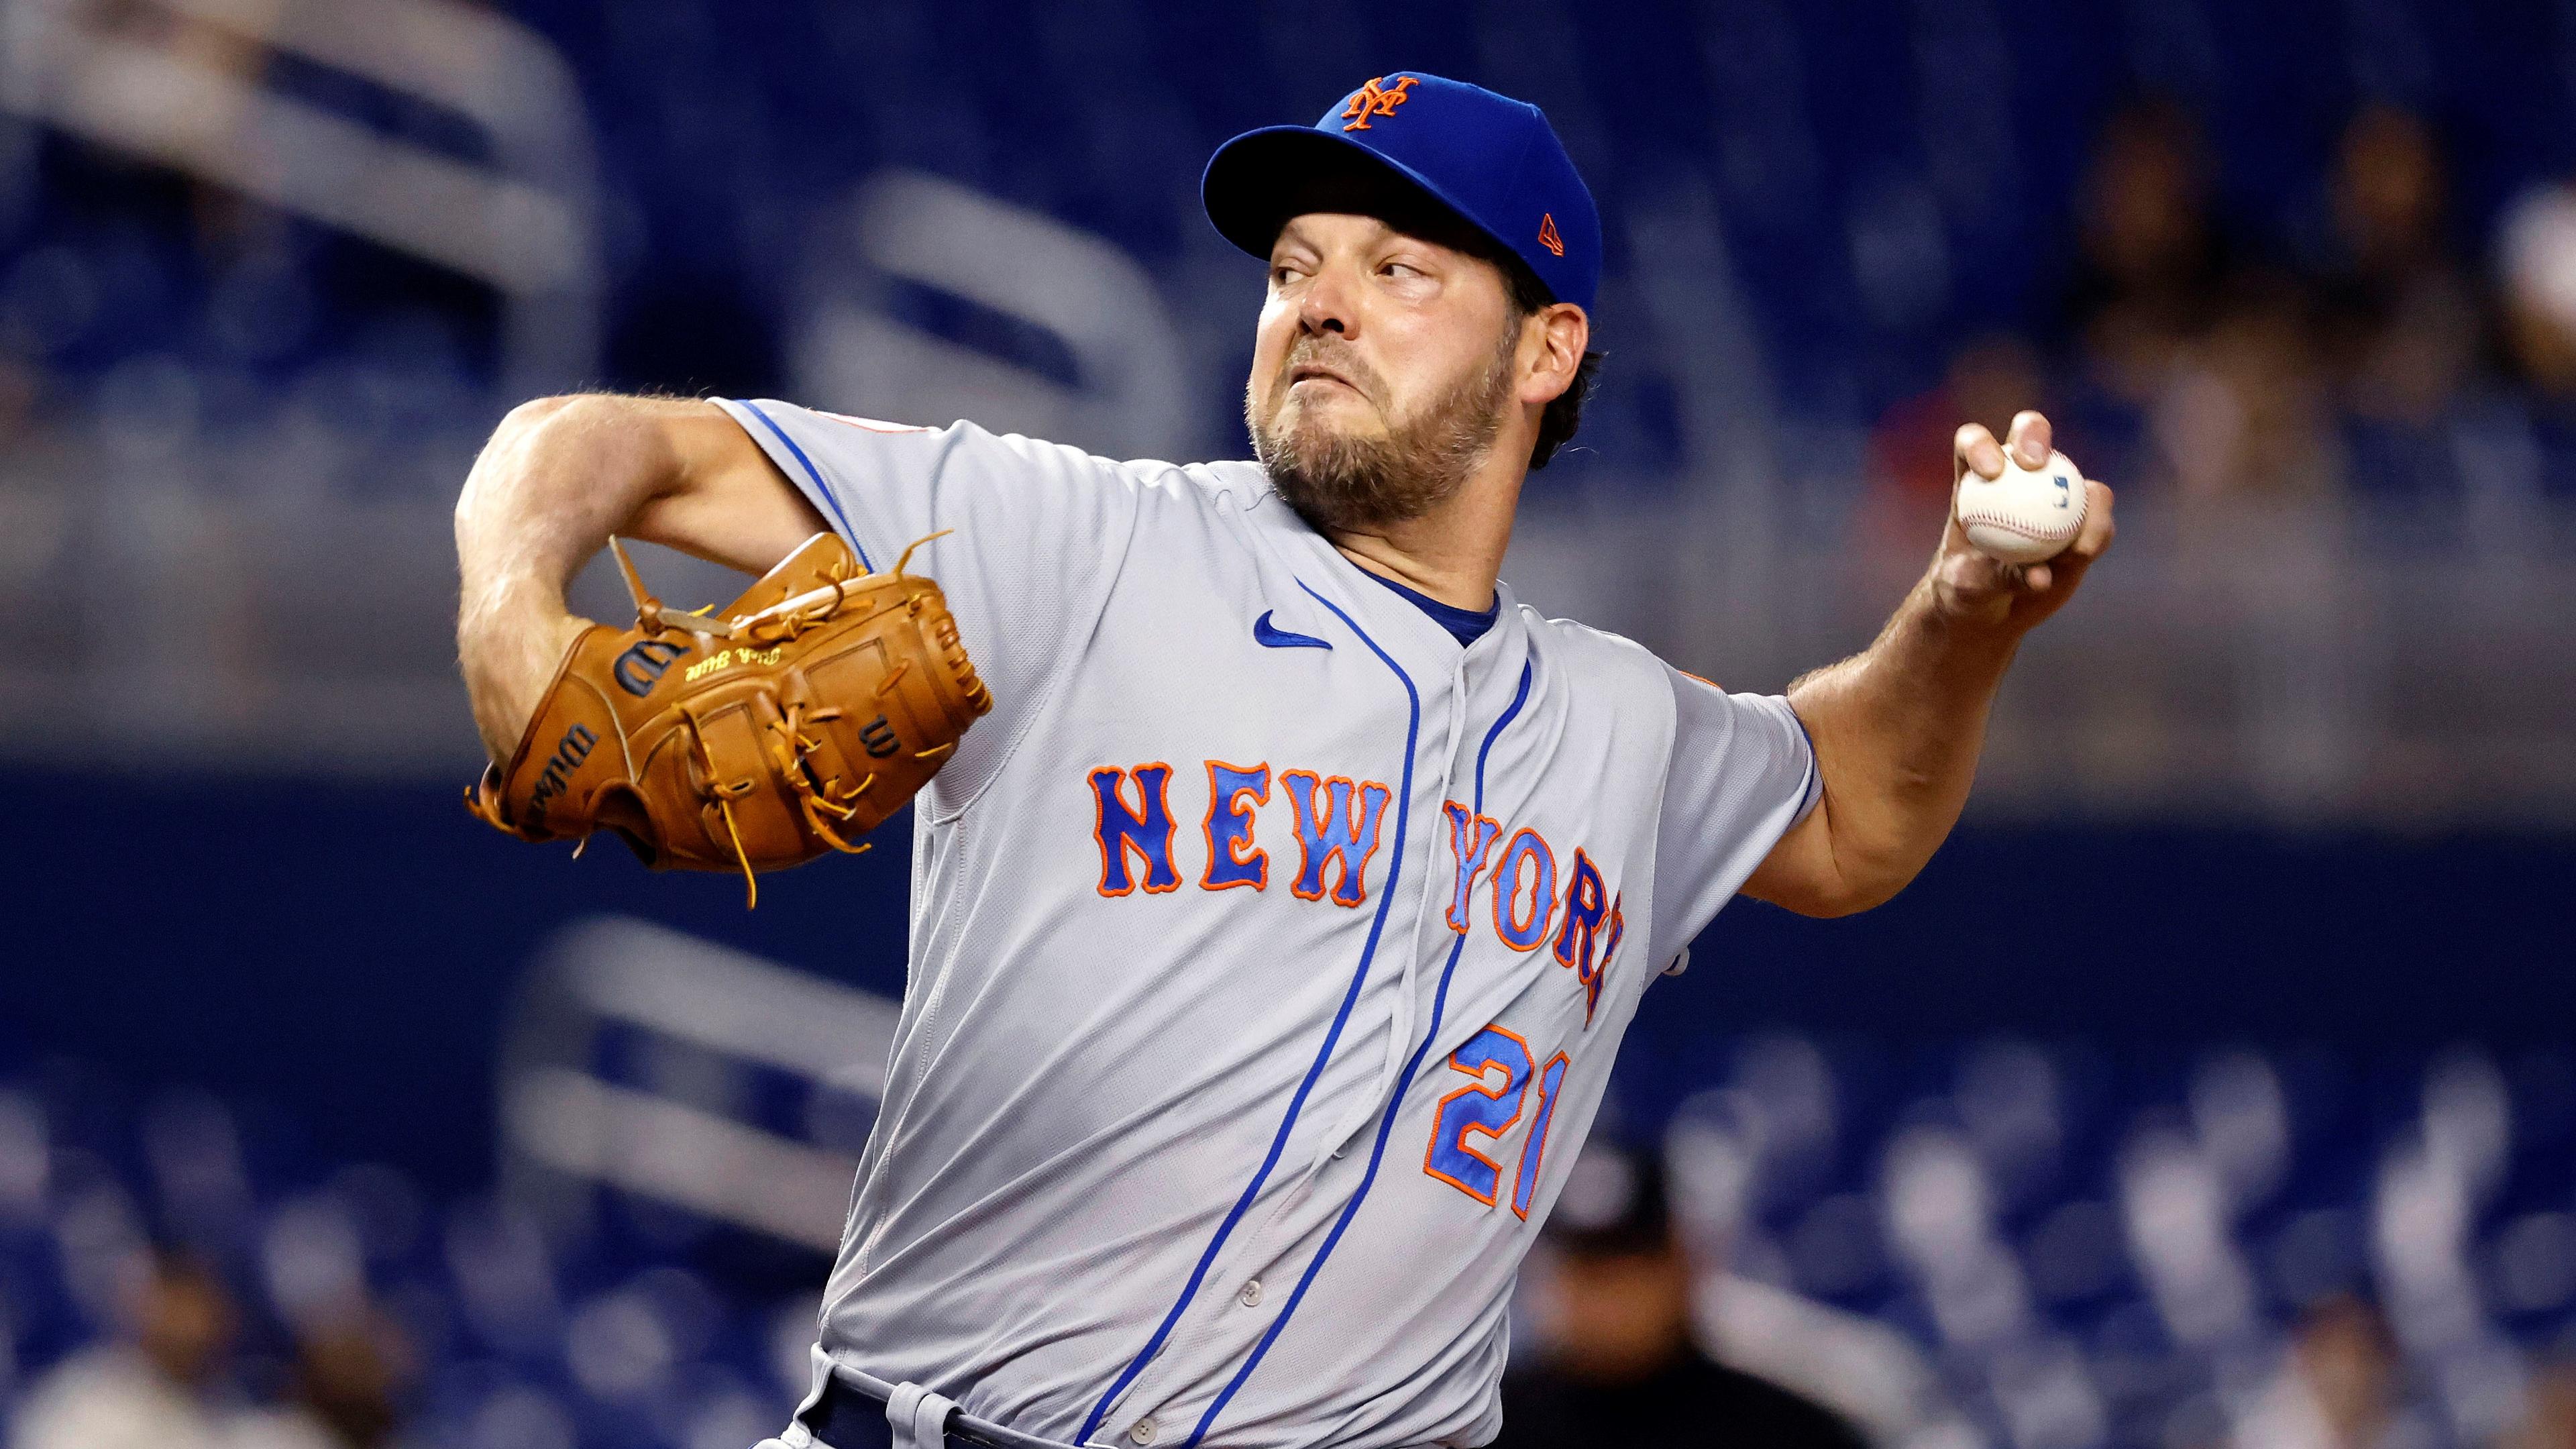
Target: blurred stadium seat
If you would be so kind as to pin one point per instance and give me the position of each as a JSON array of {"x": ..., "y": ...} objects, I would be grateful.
[
  {"x": 269, "y": 272},
  {"x": 229, "y": 370},
  {"x": 2005, "y": 1242}
]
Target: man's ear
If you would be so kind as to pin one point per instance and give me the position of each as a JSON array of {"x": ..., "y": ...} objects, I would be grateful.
[{"x": 1563, "y": 333}]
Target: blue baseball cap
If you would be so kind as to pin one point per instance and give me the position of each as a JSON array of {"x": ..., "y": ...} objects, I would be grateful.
[{"x": 1494, "y": 161}]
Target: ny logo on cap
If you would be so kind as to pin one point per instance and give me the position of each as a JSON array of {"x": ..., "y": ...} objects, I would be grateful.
[
  {"x": 1369, "y": 101},
  {"x": 1547, "y": 236}
]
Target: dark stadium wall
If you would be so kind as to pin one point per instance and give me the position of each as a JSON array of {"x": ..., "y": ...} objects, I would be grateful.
[{"x": 347, "y": 952}]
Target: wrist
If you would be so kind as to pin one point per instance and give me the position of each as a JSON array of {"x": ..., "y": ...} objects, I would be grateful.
[
  {"x": 1966, "y": 626},
  {"x": 1969, "y": 602},
  {"x": 508, "y": 650}
]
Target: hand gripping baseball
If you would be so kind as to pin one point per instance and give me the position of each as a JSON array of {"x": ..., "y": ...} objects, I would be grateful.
[
  {"x": 1972, "y": 584},
  {"x": 758, "y": 737}
]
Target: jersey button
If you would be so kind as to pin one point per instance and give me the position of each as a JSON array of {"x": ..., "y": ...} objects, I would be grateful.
[
  {"x": 1143, "y": 1433},
  {"x": 1251, "y": 1294}
]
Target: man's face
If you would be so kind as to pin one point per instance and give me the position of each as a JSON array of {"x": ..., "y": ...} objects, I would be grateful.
[{"x": 1381, "y": 372}]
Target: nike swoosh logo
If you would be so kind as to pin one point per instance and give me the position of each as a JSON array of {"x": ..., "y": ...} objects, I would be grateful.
[{"x": 1271, "y": 636}]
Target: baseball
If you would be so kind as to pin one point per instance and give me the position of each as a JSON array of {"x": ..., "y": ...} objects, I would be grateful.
[{"x": 2026, "y": 515}]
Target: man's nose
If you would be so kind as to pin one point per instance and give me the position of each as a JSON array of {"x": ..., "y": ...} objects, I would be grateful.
[{"x": 1328, "y": 305}]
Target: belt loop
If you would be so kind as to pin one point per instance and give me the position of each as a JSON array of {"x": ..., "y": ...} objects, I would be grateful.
[{"x": 919, "y": 1417}]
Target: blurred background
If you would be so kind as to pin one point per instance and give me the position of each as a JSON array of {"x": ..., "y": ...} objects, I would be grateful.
[{"x": 2217, "y": 1085}]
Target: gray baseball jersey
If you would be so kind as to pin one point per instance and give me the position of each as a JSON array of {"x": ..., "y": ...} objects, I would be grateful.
[{"x": 1269, "y": 952}]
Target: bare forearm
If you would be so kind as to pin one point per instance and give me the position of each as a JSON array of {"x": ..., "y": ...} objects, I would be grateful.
[
  {"x": 561, "y": 475},
  {"x": 1897, "y": 729},
  {"x": 557, "y": 478}
]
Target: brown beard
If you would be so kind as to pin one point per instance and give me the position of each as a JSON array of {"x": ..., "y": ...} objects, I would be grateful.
[{"x": 1339, "y": 483}]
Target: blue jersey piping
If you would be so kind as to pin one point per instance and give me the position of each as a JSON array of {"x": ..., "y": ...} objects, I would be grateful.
[
  {"x": 1386, "y": 1124},
  {"x": 1812, "y": 788},
  {"x": 820, "y": 491},
  {"x": 1296, "y": 1104}
]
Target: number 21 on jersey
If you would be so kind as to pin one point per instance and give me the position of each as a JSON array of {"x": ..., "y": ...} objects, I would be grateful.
[{"x": 1488, "y": 1109}]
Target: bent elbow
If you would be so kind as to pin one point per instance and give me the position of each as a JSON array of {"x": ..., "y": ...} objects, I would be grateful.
[
  {"x": 536, "y": 412},
  {"x": 521, "y": 422},
  {"x": 1848, "y": 896},
  {"x": 512, "y": 437},
  {"x": 1823, "y": 905}
]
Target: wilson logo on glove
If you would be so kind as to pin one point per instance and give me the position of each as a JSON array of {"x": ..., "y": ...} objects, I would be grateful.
[
  {"x": 820, "y": 701},
  {"x": 642, "y": 665}
]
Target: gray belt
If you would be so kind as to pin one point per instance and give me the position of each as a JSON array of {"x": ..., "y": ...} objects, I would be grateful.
[{"x": 921, "y": 1419}]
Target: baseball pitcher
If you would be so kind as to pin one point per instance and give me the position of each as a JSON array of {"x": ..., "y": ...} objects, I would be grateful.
[{"x": 1282, "y": 886}]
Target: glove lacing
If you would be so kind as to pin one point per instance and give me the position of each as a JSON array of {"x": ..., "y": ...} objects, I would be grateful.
[
  {"x": 721, "y": 793},
  {"x": 790, "y": 747},
  {"x": 825, "y": 804}
]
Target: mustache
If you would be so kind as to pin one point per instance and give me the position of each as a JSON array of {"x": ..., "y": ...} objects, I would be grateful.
[
  {"x": 1335, "y": 356},
  {"x": 1338, "y": 481}
]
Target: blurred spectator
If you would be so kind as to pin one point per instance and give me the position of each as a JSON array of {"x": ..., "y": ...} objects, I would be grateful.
[
  {"x": 155, "y": 1389},
  {"x": 1617, "y": 1362},
  {"x": 1987, "y": 381},
  {"x": 2398, "y": 321},
  {"x": 2536, "y": 254},
  {"x": 163, "y": 1384},
  {"x": 2337, "y": 1388},
  {"x": 2152, "y": 260},
  {"x": 2246, "y": 413},
  {"x": 2549, "y": 1412},
  {"x": 347, "y": 1375},
  {"x": 2173, "y": 319}
]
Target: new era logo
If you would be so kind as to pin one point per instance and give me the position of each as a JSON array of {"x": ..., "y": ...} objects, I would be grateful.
[
  {"x": 1369, "y": 100},
  {"x": 1547, "y": 236}
]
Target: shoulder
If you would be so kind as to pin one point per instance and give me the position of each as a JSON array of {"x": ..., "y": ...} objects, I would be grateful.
[
  {"x": 1598, "y": 656},
  {"x": 1577, "y": 637},
  {"x": 969, "y": 448},
  {"x": 1237, "y": 484},
  {"x": 1219, "y": 486}
]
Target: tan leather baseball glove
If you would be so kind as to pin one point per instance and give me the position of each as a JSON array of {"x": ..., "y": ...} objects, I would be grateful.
[{"x": 754, "y": 738}]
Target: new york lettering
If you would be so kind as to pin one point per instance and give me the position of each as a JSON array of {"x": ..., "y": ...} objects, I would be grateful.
[{"x": 1334, "y": 823}]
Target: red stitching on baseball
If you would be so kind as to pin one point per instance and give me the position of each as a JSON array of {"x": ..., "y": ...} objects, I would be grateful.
[{"x": 2010, "y": 526}]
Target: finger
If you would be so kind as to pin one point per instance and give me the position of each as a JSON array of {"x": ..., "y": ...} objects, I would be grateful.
[
  {"x": 2035, "y": 578},
  {"x": 2031, "y": 438},
  {"x": 2099, "y": 526},
  {"x": 1974, "y": 447},
  {"x": 2069, "y": 572},
  {"x": 2078, "y": 558}
]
